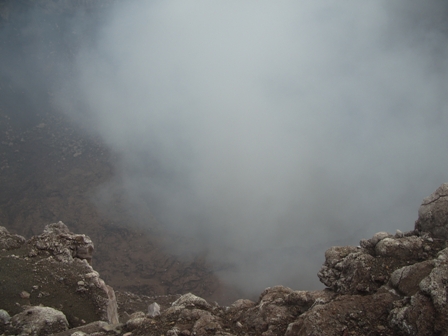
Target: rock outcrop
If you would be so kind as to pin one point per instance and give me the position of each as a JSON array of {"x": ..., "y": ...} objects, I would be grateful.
[
  {"x": 433, "y": 214},
  {"x": 52, "y": 269},
  {"x": 391, "y": 284}
]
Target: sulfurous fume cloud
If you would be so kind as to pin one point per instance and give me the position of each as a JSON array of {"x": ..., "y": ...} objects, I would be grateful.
[{"x": 269, "y": 131}]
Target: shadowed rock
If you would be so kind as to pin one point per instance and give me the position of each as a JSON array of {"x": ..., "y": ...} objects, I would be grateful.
[
  {"x": 433, "y": 214},
  {"x": 10, "y": 241}
]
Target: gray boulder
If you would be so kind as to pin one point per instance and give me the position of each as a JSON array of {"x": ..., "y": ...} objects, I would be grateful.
[
  {"x": 38, "y": 321},
  {"x": 433, "y": 214},
  {"x": 62, "y": 244}
]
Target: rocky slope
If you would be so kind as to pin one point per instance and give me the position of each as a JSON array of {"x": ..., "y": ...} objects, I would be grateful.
[
  {"x": 53, "y": 170},
  {"x": 392, "y": 284}
]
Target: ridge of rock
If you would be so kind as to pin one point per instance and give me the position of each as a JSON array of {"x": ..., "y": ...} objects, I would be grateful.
[{"x": 392, "y": 284}]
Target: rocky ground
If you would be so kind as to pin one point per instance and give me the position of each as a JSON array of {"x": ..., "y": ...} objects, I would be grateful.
[{"x": 391, "y": 284}]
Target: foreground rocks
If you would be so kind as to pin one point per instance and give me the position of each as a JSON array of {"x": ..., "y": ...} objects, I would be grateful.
[
  {"x": 52, "y": 270},
  {"x": 392, "y": 284}
]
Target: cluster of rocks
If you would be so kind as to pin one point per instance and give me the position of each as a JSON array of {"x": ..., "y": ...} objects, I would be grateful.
[
  {"x": 47, "y": 283},
  {"x": 392, "y": 284}
]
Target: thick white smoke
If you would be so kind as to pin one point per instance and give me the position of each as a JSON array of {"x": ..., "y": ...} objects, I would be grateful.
[{"x": 269, "y": 131}]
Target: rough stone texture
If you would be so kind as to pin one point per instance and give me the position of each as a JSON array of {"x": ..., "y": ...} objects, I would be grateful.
[
  {"x": 392, "y": 284},
  {"x": 49, "y": 270},
  {"x": 190, "y": 300},
  {"x": 271, "y": 315},
  {"x": 62, "y": 244},
  {"x": 351, "y": 273},
  {"x": 346, "y": 315},
  {"x": 207, "y": 324},
  {"x": 433, "y": 214},
  {"x": 413, "y": 316},
  {"x": 407, "y": 278},
  {"x": 38, "y": 321},
  {"x": 400, "y": 248},
  {"x": 137, "y": 320},
  {"x": 10, "y": 241},
  {"x": 435, "y": 286}
]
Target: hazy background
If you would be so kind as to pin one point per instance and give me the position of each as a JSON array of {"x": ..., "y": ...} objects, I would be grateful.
[{"x": 265, "y": 131}]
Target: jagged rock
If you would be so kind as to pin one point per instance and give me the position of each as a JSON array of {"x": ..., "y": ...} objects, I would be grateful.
[
  {"x": 408, "y": 278},
  {"x": 272, "y": 314},
  {"x": 136, "y": 320},
  {"x": 191, "y": 300},
  {"x": 54, "y": 276},
  {"x": 363, "y": 270},
  {"x": 351, "y": 274},
  {"x": 65, "y": 246},
  {"x": 62, "y": 244},
  {"x": 435, "y": 285},
  {"x": 346, "y": 315},
  {"x": 406, "y": 248},
  {"x": 301, "y": 301},
  {"x": 377, "y": 237},
  {"x": 433, "y": 214},
  {"x": 239, "y": 307},
  {"x": 38, "y": 321},
  {"x": 10, "y": 241},
  {"x": 392, "y": 284},
  {"x": 154, "y": 309},
  {"x": 207, "y": 324},
  {"x": 413, "y": 316}
]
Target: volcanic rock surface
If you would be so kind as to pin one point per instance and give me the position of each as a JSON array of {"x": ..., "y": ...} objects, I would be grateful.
[{"x": 392, "y": 284}]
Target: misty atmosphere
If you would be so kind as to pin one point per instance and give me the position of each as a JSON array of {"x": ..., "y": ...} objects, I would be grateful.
[{"x": 259, "y": 133}]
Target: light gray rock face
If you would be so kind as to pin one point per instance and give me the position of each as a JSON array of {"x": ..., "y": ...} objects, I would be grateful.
[
  {"x": 39, "y": 321},
  {"x": 191, "y": 300},
  {"x": 154, "y": 309},
  {"x": 405, "y": 248},
  {"x": 433, "y": 214},
  {"x": 62, "y": 244}
]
